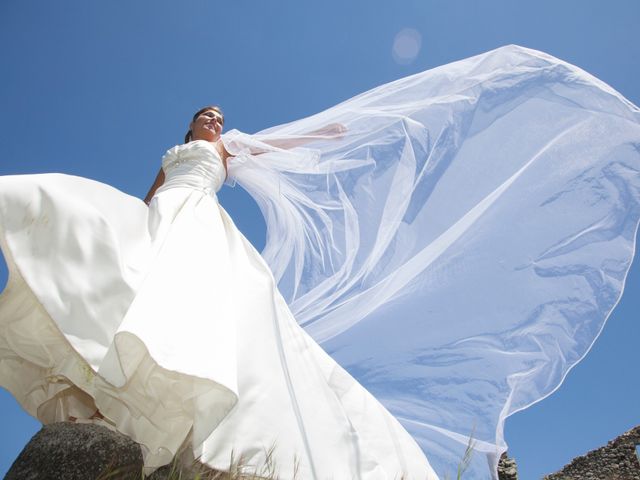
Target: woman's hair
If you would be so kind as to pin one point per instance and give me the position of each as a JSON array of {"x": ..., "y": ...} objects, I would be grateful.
[{"x": 187, "y": 137}]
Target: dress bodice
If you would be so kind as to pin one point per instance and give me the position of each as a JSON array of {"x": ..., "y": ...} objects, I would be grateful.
[{"x": 196, "y": 165}]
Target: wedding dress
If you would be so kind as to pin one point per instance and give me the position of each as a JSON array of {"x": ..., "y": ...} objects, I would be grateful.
[
  {"x": 457, "y": 251},
  {"x": 172, "y": 326}
]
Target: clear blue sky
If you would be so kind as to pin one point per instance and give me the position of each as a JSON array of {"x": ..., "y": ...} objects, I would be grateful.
[{"x": 102, "y": 89}]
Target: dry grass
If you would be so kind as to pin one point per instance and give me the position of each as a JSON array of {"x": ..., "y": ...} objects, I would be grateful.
[
  {"x": 466, "y": 457},
  {"x": 195, "y": 470}
]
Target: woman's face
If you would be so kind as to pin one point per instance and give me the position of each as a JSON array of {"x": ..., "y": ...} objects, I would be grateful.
[{"x": 207, "y": 126}]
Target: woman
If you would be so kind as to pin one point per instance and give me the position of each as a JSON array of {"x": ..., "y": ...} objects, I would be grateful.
[
  {"x": 457, "y": 249},
  {"x": 207, "y": 125},
  {"x": 190, "y": 340}
]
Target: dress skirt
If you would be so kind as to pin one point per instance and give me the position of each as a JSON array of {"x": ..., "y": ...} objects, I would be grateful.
[{"x": 168, "y": 321}]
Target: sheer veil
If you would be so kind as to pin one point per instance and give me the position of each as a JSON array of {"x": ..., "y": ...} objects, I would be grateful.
[{"x": 459, "y": 247}]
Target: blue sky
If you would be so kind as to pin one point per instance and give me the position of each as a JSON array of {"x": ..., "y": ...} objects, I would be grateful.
[{"x": 102, "y": 89}]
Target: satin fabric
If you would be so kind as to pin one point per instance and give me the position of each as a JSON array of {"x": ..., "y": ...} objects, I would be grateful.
[{"x": 169, "y": 322}]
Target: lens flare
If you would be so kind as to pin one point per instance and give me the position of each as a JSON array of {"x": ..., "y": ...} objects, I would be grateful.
[{"x": 406, "y": 45}]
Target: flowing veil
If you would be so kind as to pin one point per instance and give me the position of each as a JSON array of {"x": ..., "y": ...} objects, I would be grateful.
[{"x": 459, "y": 248}]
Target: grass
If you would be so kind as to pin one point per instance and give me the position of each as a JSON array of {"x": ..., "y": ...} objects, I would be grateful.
[
  {"x": 196, "y": 470},
  {"x": 466, "y": 457},
  {"x": 177, "y": 470}
]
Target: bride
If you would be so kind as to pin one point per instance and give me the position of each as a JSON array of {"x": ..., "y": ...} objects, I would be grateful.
[
  {"x": 165, "y": 324},
  {"x": 454, "y": 240}
]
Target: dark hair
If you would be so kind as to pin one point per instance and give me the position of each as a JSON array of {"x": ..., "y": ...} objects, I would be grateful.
[{"x": 187, "y": 137}]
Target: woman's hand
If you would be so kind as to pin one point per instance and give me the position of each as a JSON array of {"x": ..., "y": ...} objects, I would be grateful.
[{"x": 332, "y": 130}]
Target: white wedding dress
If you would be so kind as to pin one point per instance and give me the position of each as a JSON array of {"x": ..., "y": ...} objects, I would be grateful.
[
  {"x": 169, "y": 321},
  {"x": 458, "y": 250}
]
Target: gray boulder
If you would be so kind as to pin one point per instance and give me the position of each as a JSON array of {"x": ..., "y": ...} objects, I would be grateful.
[{"x": 76, "y": 451}]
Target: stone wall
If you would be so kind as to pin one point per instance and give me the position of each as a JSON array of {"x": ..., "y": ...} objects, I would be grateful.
[{"x": 615, "y": 461}]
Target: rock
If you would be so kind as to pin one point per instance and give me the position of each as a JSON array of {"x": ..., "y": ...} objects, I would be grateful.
[
  {"x": 507, "y": 468},
  {"x": 76, "y": 451},
  {"x": 615, "y": 461}
]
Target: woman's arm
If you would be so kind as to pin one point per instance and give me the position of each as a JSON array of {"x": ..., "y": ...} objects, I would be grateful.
[
  {"x": 156, "y": 184},
  {"x": 331, "y": 131}
]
